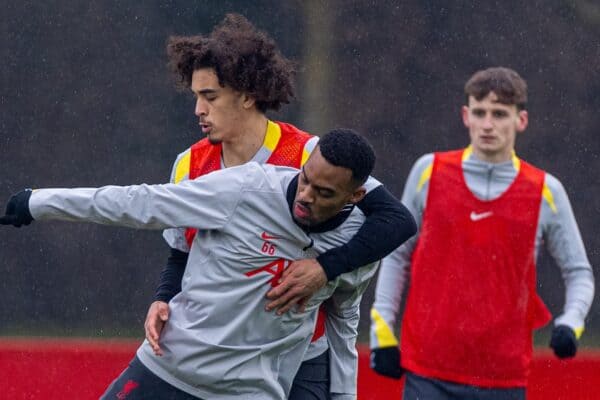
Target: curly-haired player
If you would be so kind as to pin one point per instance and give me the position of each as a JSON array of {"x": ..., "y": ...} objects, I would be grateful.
[{"x": 237, "y": 74}]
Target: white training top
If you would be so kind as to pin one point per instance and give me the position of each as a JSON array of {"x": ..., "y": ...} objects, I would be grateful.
[{"x": 220, "y": 343}]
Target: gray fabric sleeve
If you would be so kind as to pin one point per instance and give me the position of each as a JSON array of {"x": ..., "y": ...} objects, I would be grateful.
[
  {"x": 394, "y": 271},
  {"x": 564, "y": 243},
  {"x": 341, "y": 326},
  {"x": 175, "y": 237},
  {"x": 310, "y": 144},
  {"x": 204, "y": 203},
  {"x": 371, "y": 184}
]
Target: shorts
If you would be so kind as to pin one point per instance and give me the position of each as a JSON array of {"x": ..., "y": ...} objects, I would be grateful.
[
  {"x": 419, "y": 388},
  {"x": 312, "y": 380},
  {"x": 139, "y": 383}
]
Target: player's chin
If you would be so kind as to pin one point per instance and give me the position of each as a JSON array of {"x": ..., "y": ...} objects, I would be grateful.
[
  {"x": 302, "y": 221},
  {"x": 487, "y": 148},
  {"x": 488, "y": 141},
  {"x": 213, "y": 136},
  {"x": 212, "y": 139}
]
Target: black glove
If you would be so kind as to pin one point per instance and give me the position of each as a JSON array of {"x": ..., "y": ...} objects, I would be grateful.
[
  {"x": 563, "y": 342},
  {"x": 17, "y": 210},
  {"x": 386, "y": 361}
]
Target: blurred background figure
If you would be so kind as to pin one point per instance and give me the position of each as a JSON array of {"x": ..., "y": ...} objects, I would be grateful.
[{"x": 472, "y": 302}]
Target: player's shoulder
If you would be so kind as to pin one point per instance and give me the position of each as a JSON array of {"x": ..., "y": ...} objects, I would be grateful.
[
  {"x": 424, "y": 164},
  {"x": 181, "y": 166},
  {"x": 289, "y": 129},
  {"x": 554, "y": 196},
  {"x": 420, "y": 173},
  {"x": 424, "y": 161},
  {"x": 294, "y": 141},
  {"x": 182, "y": 155},
  {"x": 292, "y": 133},
  {"x": 261, "y": 174},
  {"x": 199, "y": 145},
  {"x": 275, "y": 172},
  {"x": 554, "y": 193},
  {"x": 266, "y": 179},
  {"x": 249, "y": 175},
  {"x": 553, "y": 182}
]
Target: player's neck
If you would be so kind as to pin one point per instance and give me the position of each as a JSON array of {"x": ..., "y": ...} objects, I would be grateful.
[
  {"x": 494, "y": 157},
  {"x": 244, "y": 146}
]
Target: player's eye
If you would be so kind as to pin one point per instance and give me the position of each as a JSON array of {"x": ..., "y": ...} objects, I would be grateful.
[
  {"x": 478, "y": 113},
  {"x": 326, "y": 194}
]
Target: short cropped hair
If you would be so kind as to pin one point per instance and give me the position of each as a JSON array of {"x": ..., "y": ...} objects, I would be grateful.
[
  {"x": 244, "y": 58},
  {"x": 506, "y": 83},
  {"x": 348, "y": 149}
]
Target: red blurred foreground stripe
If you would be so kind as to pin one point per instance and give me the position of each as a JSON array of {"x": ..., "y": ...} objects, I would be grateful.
[
  {"x": 81, "y": 369},
  {"x": 551, "y": 378},
  {"x": 61, "y": 368}
]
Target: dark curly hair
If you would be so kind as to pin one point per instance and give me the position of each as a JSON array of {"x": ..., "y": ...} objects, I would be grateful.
[
  {"x": 348, "y": 149},
  {"x": 506, "y": 83},
  {"x": 244, "y": 58}
]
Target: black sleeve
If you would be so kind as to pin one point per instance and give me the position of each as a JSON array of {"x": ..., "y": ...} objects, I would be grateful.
[
  {"x": 389, "y": 224},
  {"x": 171, "y": 276}
]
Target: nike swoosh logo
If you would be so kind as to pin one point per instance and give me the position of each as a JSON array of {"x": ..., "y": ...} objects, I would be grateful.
[
  {"x": 479, "y": 216},
  {"x": 266, "y": 236}
]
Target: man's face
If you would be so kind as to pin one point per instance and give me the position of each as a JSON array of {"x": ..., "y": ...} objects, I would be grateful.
[
  {"x": 221, "y": 110},
  {"x": 323, "y": 189},
  {"x": 493, "y": 127}
]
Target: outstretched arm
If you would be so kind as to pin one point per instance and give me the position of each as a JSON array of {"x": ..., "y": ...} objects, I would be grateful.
[
  {"x": 17, "y": 211},
  {"x": 205, "y": 203}
]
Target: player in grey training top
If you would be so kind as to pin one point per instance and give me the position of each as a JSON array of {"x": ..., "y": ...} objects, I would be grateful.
[
  {"x": 556, "y": 228},
  {"x": 495, "y": 210},
  {"x": 219, "y": 343},
  {"x": 337, "y": 344}
]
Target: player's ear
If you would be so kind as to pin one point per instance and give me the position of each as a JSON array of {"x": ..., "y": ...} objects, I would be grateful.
[
  {"x": 464, "y": 113},
  {"x": 248, "y": 101},
  {"x": 358, "y": 195},
  {"x": 523, "y": 120}
]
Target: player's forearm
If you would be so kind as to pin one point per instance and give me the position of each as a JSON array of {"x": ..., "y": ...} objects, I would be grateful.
[
  {"x": 341, "y": 328},
  {"x": 171, "y": 276},
  {"x": 565, "y": 244},
  {"x": 197, "y": 204},
  {"x": 342, "y": 332},
  {"x": 387, "y": 226},
  {"x": 393, "y": 275},
  {"x": 109, "y": 205},
  {"x": 579, "y": 288}
]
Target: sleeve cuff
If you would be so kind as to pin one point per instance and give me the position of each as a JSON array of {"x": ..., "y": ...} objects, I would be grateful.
[{"x": 333, "y": 263}]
